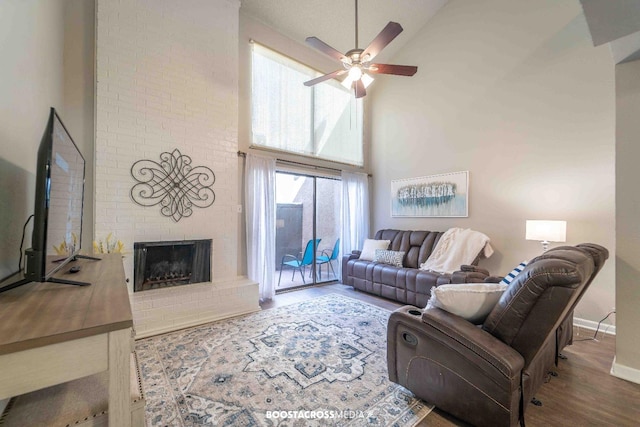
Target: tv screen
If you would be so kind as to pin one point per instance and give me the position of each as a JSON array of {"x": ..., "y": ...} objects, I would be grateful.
[
  {"x": 64, "y": 199},
  {"x": 59, "y": 196},
  {"x": 57, "y": 226}
]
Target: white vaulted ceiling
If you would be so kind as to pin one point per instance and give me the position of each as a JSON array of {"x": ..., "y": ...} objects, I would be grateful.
[{"x": 333, "y": 21}]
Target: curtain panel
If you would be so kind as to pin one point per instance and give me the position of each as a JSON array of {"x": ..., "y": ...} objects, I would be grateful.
[
  {"x": 355, "y": 211},
  {"x": 260, "y": 178}
]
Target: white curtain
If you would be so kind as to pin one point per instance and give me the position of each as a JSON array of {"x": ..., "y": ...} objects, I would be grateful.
[
  {"x": 260, "y": 181},
  {"x": 355, "y": 211}
]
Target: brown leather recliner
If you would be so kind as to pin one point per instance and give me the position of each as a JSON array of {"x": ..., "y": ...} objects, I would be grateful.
[{"x": 487, "y": 375}]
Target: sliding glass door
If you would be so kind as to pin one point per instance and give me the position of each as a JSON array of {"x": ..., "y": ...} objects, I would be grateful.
[
  {"x": 328, "y": 228},
  {"x": 307, "y": 229}
]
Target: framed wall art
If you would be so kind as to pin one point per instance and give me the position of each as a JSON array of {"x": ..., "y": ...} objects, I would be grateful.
[{"x": 444, "y": 195}]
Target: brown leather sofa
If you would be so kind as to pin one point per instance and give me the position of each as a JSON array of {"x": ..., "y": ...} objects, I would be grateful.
[
  {"x": 487, "y": 375},
  {"x": 405, "y": 284}
]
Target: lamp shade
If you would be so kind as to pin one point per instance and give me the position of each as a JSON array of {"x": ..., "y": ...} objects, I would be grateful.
[{"x": 550, "y": 231}]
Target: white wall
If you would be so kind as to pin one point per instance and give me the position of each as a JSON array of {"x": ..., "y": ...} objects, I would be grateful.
[
  {"x": 627, "y": 363},
  {"x": 47, "y": 62},
  {"x": 515, "y": 93},
  {"x": 31, "y": 77},
  {"x": 31, "y": 81},
  {"x": 79, "y": 95}
]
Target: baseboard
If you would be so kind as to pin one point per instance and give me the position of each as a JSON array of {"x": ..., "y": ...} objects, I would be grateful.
[
  {"x": 606, "y": 328},
  {"x": 163, "y": 329},
  {"x": 625, "y": 372}
]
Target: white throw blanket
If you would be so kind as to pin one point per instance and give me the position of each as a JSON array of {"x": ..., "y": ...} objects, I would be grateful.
[{"x": 456, "y": 247}]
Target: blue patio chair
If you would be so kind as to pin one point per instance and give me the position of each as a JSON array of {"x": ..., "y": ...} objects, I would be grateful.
[
  {"x": 299, "y": 263},
  {"x": 326, "y": 258}
]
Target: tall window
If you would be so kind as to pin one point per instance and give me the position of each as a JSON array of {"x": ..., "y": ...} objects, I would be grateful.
[{"x": 323, "y": 121}]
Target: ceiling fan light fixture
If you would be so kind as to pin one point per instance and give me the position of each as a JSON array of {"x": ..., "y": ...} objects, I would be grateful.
[
  {"x": 347, "y": 82},
  {"x": 355, "y": 72},
  {"x": 366, "y": 80}
]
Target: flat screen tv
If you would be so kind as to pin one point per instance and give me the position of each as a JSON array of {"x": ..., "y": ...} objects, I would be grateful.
[{"x": 59, "y": 198}]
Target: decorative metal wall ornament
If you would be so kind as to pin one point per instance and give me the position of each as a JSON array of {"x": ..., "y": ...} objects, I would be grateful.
[{"x": 174, "y": 184}]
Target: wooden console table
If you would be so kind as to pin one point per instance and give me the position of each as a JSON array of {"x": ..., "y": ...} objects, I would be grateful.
[{"x": 52, "y": 333}]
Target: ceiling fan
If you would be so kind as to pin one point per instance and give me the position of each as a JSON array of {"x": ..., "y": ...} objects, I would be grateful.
[{"x": 357, "y": 63}]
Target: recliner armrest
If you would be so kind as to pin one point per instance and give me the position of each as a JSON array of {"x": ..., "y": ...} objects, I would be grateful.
[
  {"x": 455, "y": 333},
  {"x": 445, "y": 360},
  {"x": 474, "y": 269},
  {"x": 469, "y": 274},
  {"x": 475, "y": 339},
  {"x": 346, "y": 278}
]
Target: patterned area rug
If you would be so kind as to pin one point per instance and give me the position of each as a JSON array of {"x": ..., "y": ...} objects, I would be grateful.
[{"x": 321, "y": 362}]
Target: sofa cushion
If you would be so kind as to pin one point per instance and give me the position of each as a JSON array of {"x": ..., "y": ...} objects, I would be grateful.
[
  {"x": 370, "y": 246},
  {"x": 471, "y": 301},
  {"x": 389, "y": 257}
]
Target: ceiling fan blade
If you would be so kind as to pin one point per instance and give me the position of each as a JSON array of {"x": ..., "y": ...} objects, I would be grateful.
[
  {"x": 359, "y": 89},
  {"x": 324, "y": 48},
  {"x": 325, "y": 77},
  {"x": 398, "y": 70},
  {"x": 385, "y": 37}
]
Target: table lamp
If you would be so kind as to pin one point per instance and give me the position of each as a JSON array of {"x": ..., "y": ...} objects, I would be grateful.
[{"x": 546, "y": 231}]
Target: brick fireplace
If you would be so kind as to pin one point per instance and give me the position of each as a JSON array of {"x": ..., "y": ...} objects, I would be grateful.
[{"x": 167, "y": 78}]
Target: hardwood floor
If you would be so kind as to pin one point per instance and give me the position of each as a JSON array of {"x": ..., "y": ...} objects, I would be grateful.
[{"x": 583, "y": 393}]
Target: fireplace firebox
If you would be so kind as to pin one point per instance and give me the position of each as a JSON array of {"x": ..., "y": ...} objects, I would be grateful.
[{"x": 172, "y": 263}]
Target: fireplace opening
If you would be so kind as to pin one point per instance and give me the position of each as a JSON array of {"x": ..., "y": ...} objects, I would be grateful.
[{"x": 167, "y": 264}]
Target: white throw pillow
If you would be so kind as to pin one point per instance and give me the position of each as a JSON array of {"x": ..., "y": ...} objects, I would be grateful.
[
  {"x": 369, "y": 248},
  {"x": 471, "y": 301}
]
